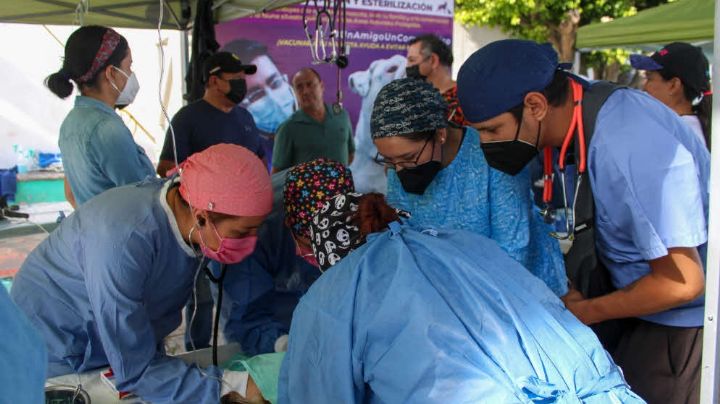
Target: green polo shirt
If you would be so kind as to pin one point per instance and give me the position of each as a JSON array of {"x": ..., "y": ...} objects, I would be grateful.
[{"x": 301, "y": 139}]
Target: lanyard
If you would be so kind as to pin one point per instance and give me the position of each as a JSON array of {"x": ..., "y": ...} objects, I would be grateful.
[{"x": 576, "y": 127}]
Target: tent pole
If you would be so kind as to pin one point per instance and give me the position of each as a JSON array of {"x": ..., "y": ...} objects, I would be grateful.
[
  {"x": 184, "y": 61},
  {"x": 710, "y": 371}
]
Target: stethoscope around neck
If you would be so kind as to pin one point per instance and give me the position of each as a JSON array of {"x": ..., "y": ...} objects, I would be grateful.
[{"x": 577, "y": 130}]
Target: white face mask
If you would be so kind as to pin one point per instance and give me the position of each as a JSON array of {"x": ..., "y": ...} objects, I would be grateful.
[{"x": 132, "y": 86}]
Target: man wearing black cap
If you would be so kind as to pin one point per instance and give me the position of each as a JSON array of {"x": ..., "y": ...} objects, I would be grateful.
[
  {"x": 217, "y": 117},
  {"x": 214, "y": 119},
  {"x": 640, "y": 212},
  {"x": 679, "y": 76}
]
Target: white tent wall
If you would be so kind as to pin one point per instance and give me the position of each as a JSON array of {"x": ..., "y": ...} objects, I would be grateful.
[
  {"x": 467, "y": 40},
  {"x": 710, "y": 373},
  {"x": 30, "y": 115}
]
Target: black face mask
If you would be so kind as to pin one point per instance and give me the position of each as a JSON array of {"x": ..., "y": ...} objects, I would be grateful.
[
  {"x": 511, "y": 156},
  {"x": 413, "y": 72},
  {"x": 238, "y": 89},
  {"x": 416, "y": 180}
]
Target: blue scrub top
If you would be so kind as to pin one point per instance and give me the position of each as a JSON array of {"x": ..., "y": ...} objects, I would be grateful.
[
  {"x": 261, "y": 292},
  {"x": 22, "y": 356},
  {"x": 108, "y": 285},
  {"x": 470, "y": 195},
  {"x": 98, "y": 150},
  {"x": 650, "y": 178},
  {"x": 444, "y": 316}
]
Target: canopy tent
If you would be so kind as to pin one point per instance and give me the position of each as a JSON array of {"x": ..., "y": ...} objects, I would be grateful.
[
  {"x": 683, "y": 20},
  {"x": 126, "y": 13}
]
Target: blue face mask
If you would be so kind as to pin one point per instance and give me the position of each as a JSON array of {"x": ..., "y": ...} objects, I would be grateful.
[{"x": 268, "y": 114}]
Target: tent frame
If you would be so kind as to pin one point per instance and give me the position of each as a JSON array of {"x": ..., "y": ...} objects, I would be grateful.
[{"x": 710, "y": 380}]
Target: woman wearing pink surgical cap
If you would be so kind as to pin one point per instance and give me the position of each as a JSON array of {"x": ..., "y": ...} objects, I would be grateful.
[{"x": 109, "y": 284}]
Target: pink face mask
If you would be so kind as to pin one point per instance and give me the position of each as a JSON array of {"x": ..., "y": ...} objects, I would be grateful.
[
  {"x": 307, "y": 255},
  {"x": 231, "y": 250}
]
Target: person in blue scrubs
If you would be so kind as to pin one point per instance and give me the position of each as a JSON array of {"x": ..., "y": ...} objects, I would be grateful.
[
  {"x": 98, "y": 150},
  {"x": 109, "y": 284},
  {"x": 264, "y": 289},
  {"x": 649, "y": 177},
  {"x": 22, "y": 356},
  {"x": 407, "y": 314},
  {"x": 439, "y": 174}
]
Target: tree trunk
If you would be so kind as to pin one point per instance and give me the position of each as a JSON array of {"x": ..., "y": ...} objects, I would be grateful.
[
  {"x": 562, "y": 36},
  {"x": 611, "y": 72}
]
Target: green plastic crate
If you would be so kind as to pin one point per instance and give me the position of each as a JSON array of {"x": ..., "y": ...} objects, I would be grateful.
[{"x": 35, "y": 191}]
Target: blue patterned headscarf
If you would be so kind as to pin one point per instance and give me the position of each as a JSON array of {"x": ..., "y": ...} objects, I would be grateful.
[{"x": 407, "y": 106}]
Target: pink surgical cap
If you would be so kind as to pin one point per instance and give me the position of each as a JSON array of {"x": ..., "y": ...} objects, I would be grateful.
[{"x": 226, "y": 178}]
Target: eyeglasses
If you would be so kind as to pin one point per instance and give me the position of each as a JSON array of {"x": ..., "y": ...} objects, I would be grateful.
[{"x": 379, "y": 159}]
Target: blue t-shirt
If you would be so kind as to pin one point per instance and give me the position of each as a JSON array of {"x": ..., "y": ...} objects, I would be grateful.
[
  {"x": 650, "y": 178},
  {"x": 199, "y": 125},
  {"x": 98, "y": 150}
]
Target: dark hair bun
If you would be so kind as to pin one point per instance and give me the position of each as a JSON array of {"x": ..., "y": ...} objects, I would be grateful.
[{"x": 59, "y": 84}]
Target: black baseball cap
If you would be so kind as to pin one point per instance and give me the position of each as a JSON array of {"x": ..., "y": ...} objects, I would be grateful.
[
  {"x": 226, "y": 62},
  {"x": 681, "y": 60}
]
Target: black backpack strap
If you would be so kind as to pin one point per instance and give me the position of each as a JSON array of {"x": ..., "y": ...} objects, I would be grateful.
[
  {"x": 583, "y": 267},
  {"x": 582, "y": 257}
]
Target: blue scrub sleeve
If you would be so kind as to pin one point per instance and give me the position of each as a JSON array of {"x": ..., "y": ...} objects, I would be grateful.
[
  {"x": 248, "y": 307},
  {"x": 119, "y": 157},
  {"x": 657, "y": 200},
  {"x": 319, "y": 367},
  {"x": 509, "y": 206},
  {"x": 115, "y": 276}
]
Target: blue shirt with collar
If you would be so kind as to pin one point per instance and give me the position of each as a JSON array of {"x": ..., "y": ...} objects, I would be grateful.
[
  {"x": 650, "y": 179},
  {"x": 301, "y": 139},
  {"x": 98, "y": 150}
]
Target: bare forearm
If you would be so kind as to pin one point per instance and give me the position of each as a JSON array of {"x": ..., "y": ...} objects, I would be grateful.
[{"x": 674, "y": 280}]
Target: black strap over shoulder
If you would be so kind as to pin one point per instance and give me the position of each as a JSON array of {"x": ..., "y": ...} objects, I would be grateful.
[
  {"x": 582, "y": 257},
  {"x": 583, "y": 267}
]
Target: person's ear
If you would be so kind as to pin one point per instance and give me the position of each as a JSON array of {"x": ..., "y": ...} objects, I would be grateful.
[
  {"x": 676, "y": 86},
  {"x": 212, "y": 81},
  {"x": 536, "y": 106},
  {"x": 109, "y": 73},
  {"x": 201, "y": 217},
  {"x": 441, "y": 135},
  {"x": 434, "y": 60}
]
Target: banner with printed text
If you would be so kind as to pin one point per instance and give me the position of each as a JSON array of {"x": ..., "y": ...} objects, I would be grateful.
[{"x": 377, "y": 36}]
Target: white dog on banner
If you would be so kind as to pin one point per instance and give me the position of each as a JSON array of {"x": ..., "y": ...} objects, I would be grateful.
[{"x": 368, "y": 175}]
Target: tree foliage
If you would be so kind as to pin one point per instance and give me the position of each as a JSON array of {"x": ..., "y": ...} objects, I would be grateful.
[{"x": 555, "y": 21}]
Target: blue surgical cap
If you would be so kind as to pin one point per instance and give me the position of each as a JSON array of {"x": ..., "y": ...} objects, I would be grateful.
[{"x": 497, "y": 77}]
